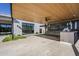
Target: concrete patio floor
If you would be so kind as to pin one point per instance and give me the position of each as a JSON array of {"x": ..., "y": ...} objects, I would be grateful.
[{"x": 35, "y": 46}]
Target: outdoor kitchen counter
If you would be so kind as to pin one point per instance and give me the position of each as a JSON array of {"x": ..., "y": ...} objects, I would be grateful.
[{"x": 69, "y": 37}]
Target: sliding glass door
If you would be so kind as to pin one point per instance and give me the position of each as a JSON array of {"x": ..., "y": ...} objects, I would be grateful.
[{"x": 27, "y": 28}]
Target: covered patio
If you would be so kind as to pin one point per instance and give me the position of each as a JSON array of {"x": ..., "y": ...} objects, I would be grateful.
[{"x": 50, "y": 30}]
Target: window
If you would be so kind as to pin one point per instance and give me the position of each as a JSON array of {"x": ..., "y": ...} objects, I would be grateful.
[
  {"x": 27, "y": 28},
  {"x": 5, "y": 28},
  {"x": 5, "y": 19}
]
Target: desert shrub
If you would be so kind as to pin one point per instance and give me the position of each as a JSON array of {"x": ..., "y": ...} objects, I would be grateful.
[{"x": 9, "y": 38}]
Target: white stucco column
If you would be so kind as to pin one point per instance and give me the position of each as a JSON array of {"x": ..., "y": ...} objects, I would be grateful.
[
  {"x": 36, "y": 28},
  {"x": 17, "y": 27},
  {"x": 71, "y": 25},
  {"x": 75, "y": 25}
]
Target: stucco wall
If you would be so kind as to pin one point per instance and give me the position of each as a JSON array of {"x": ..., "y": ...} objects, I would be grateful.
[
  {"x": 37, "y": 28},
  {"x": 17, "y": 27}
]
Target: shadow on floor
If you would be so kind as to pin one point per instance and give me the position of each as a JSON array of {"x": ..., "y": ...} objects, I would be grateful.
[
  {"x": 75, "y": 50},
  {"x": 57, "y": 38},
  {"x": 49, "y": 37}
]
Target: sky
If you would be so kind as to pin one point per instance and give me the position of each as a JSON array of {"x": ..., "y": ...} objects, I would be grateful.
[{"x": 5, "y": 9}]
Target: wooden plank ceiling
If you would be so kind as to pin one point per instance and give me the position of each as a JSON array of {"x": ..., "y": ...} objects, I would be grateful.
[{"x": 38, "y": 12}]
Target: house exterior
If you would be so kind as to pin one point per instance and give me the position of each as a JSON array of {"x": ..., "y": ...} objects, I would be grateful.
[
  {"x": 20, "y": 27},
  {"x": 30, "y": 28}
]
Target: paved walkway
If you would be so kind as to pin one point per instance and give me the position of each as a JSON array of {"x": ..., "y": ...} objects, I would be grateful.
[{"x": 35, "y": 46}]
